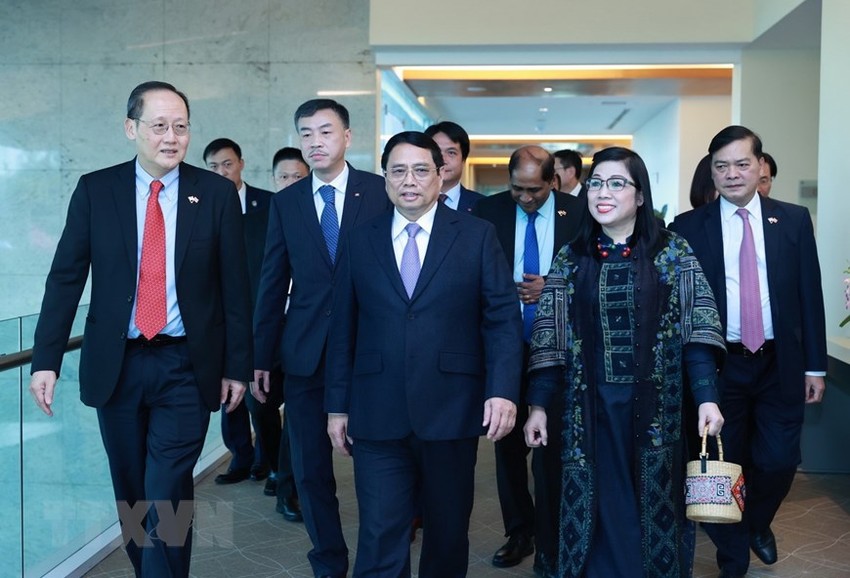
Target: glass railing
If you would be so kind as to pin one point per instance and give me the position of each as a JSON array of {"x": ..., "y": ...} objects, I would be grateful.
[{"x": 56, "y": 498}]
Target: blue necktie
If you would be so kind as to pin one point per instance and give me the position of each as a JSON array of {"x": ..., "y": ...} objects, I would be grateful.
[
  {"x": 410, "y": 259},
  {"x": 329, "y": 222},
  {"x": 530, "y": 264}
]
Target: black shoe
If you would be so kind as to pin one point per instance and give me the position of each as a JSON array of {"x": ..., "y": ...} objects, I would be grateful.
[
  {"x": 519, "y": 546},
  {"x": 233, "y": 476},
  {"x": 290, "y": 509},
  {"x": 763, "y": 545},
  {"x": 259, "y": 472},
  {"x": 271, "y": 487},
  {"x": 730, "y": 574}
]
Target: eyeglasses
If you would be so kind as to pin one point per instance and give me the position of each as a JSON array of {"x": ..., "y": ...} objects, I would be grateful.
[
  {"x": 179, "y": 128},
  {"x": 615, "y": 184},
  {"x": 398, "y": 174}
]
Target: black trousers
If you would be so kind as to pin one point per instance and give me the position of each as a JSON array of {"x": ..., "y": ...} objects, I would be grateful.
[
  {"x": 153, "y": 429},
  {"x": 761, "y": 432}
]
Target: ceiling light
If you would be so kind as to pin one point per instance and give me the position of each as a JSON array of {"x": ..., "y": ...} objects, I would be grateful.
[{"x": 547, "y": 89}]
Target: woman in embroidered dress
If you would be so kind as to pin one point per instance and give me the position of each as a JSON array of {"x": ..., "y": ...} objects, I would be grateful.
[{"x": 626, "y": 307}]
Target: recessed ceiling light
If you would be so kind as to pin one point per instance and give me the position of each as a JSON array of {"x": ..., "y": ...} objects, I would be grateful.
[
  {"x": 475, "y": 89},
  {"x": 543, "y": 109},
  {"x": 547, "y": 89}
]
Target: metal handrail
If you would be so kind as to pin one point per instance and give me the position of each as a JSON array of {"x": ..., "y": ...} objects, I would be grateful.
[{"x": 14, "y": 360}]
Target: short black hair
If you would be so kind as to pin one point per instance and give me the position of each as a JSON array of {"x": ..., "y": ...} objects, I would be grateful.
[
  {"x": 221, "y": 144},
  {"x": 289, "y": 154},
  {"x": 417, "y": 139},
  {"x": 732, "y": 133},
  {"x": 771, "y": 163},
  {"x": 569, "y": 158},
  {"x": 136, "y": 102},
  {"x": 311, "y": 107},
  {"x": 537, "y": 155},
  {"x": 455, "y": 133}
]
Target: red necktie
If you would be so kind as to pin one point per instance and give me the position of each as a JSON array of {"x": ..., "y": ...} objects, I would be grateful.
[
  {"x": 752, "y": 325},
  {"x": 150, "y": 302}
]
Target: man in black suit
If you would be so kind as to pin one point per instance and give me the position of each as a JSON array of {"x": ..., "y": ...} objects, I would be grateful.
[
  {"x": 306, "y": 225},
  {"x": 168, "y": 333},
  {"x": 424, "y": 358},
  {"x": 568, "y": 170},
  {"x": 760, "y": 258},
  {"x": 224, "y": 157},
  {"x": 554, "y": 222},
  {"x": 454, "y": 144}
]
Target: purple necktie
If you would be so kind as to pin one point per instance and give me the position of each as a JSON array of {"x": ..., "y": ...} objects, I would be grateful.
[
  {"x": 410, "y": 259},
  {"x": 752, "y": 326}
]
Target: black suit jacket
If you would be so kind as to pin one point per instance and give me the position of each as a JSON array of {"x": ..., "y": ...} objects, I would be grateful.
[
  {"x": 468, "y": 199},
  {"x": 793, "y": 278},
  {"x": 500, "y": 209},
  {"x": 256, "y": 199},
  {"x": 426, "y": 363},
  {"x": 296, "y": 252},
  {"x": 211, "y": 278}
]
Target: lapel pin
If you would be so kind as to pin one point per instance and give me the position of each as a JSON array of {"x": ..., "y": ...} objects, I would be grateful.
[
  {"x": 253, "y": 203},
  {"x": 562, "y": 213},
  {"x": 193, "y": 199},
  {"x": 772, "y": 220},
  {"x": 356, "y": 194}
]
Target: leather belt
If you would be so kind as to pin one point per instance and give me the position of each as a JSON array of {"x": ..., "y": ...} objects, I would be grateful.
[
  {"x": 159, "y": 340},
  {"x": 737, "y": 348}
]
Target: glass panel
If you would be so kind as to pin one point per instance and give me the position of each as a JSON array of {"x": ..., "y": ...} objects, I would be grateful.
[{"x": 10, "y": 454}]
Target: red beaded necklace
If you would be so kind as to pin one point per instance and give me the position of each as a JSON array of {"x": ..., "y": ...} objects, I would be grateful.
[{"x": 605, "y": 249}]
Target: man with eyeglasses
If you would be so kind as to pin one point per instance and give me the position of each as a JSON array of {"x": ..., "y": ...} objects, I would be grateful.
[
  {"x": 168, "y": 331},
  {"x": 532, "y": 223},
  {"x": 224, "y": 157},
  {"x": 424, "y": 358},
  {"x": 454, "y": 144},
  {"x": 307, "y": 225}
]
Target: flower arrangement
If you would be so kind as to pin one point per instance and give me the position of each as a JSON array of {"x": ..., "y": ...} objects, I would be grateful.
[{"x": 846, "y": 296}]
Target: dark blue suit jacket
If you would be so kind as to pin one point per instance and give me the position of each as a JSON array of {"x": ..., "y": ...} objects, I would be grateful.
[
  {"x": 467, "y": 200},
  {"x": 296, "y": 252},
  {"x": 793, "y": 278},
  {"x": 500, "y": 209},
  {"x": 211, "y": 277},
  {"x": 426, "y": 364}
]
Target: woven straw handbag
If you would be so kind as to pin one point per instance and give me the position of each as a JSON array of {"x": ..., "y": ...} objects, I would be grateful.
[{"x": 714, "y": 489}]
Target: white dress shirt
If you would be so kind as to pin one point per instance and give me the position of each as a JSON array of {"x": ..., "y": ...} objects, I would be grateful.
[
  {"x": 399, "y": 234},
  {"x": 452, "y": 197},
  {"x": 544, "y": 227},
  {"x": 339, "y": 184},
  {"x": 168, "y": 204}
]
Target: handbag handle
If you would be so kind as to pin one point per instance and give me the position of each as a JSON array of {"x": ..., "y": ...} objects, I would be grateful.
[{"x": 703, "y": 455}]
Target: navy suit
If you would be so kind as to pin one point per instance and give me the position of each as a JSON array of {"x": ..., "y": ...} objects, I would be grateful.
[
  {"x": 467, "y": 200},
  {"x": 518, "y": 511},
  {"x": 153, "y": 403},
  {"x": 236, "y": 426},
  {"x": 296, "y": 252},
  {"x": 413, "y": 374},
  {"x": 763, "y": 397}
]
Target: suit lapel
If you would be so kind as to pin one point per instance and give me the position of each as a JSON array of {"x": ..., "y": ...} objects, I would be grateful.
[
  {"x": 771, "y": 224},
  {"x": 713, "y": 231},
  {"x": 353, "y": 200},
  {"x": 443, "y": 236},
  {"x": 186, "y": 212},
  {"x": 382, "y": 247},
  {"x": 307, "y": 207},
  {"x": 124, "y": 195},
  {"x": 562, "y": 216},
  {"x": 506, "y": 227}
]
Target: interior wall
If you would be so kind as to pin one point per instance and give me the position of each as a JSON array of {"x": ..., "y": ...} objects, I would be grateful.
[
  {"x": 67, "y": 68},
  {"x": 657, "y": 142}
]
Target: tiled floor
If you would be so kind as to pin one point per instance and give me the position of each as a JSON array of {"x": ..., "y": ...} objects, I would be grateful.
[{"x": 240, "y": 535}]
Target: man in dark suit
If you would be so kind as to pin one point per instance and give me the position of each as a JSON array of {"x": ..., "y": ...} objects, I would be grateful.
[
  {"x": 759, "y": 256},
  {"x": 530, "y": 213},
  {"x": 168, "y": 333},
  {"x": 454, "y": 144},
  {"x": 568, "y": 171},
  {"x": 306, "y": 225},
  {"x": 224, "y": 157},
  {"x": 424, "y": 358}
]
